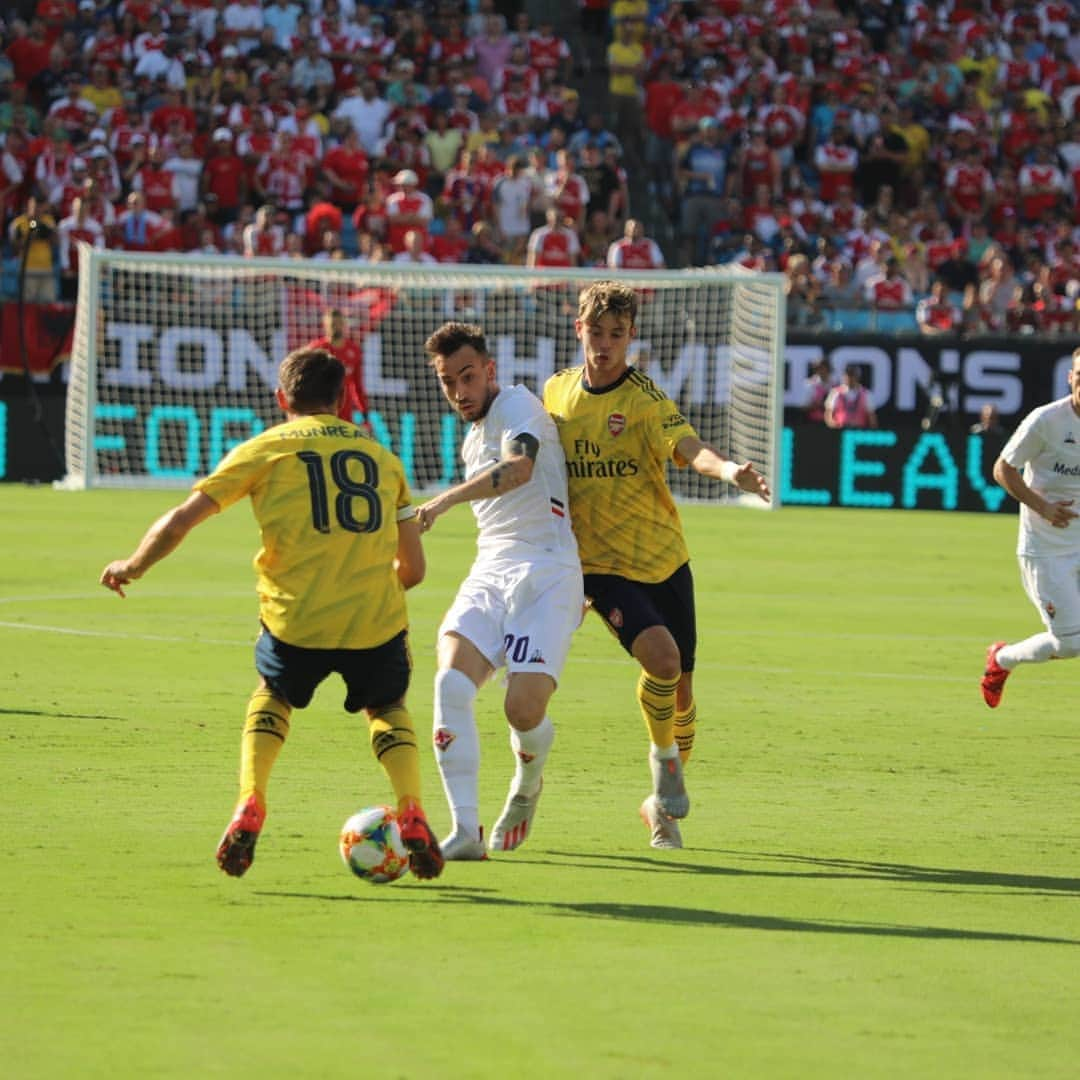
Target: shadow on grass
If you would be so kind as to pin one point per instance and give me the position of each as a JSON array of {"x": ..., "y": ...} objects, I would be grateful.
[
  {"x": 813, "y": 867},
  {"x": 60, "y": 715},
  {"x": 683, "y": 916}
]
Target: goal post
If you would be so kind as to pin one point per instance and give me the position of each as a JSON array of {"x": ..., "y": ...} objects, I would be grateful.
[{"x": 175, "y": 357}]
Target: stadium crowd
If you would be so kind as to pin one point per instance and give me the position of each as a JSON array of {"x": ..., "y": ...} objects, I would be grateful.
[{"x": 911, "y": 161}]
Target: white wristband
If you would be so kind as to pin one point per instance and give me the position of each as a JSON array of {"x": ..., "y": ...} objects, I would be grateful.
[{"x": 728, "y": 471}]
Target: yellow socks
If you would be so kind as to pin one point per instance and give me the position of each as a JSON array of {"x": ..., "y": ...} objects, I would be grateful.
[
  {"x": 393, "y": 742},
  {"x": 265, "y": 730},
  {"x": 657, "y": 700},
  {"x": 685, "y": 728}
]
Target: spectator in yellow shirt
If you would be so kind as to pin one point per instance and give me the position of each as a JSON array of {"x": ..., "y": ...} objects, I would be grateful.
[{"x": 626, "y": 66}]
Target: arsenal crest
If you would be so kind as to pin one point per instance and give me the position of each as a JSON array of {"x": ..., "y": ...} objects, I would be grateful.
[{"x": 616, "y": 422}]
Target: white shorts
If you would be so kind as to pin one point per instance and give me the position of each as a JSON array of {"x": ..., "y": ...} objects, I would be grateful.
[
  {"x": 519, "y": 615},
  {"x": 1052, "y": 583}
]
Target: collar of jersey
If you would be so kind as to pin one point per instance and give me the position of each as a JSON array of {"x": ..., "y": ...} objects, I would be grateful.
[{"x": 607, "y": 389}]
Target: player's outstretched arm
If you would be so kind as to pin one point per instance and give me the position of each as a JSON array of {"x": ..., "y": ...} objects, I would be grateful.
[
  {"x": 163, "y": 537},
  {"x": 409, "y": 563},
  {"x": 1059, "y": 513},
  {"x": 514, "y": 469},
  {"x": 704, "y": 459}
]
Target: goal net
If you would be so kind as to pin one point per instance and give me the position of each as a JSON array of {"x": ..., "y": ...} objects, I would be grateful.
[{"x": 175, "y": 357}]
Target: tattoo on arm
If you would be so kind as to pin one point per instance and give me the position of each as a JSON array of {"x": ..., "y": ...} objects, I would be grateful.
[
  {"x": 496, "y": 476},
  {"x": 525, "y": 445}
]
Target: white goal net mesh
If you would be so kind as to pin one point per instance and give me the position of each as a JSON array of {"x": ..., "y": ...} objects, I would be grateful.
[{"x": 175, "y": 358}]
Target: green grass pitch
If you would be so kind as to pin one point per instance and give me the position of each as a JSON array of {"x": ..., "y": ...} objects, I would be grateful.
[{"x": 881, "y": 877}]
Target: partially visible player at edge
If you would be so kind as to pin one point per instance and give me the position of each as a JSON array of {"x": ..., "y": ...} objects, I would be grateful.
[
  {"x": 340, "y": 547},
  {"x": 618, "y": 430},
  {"x": 1040, "y": 468},
  {"x": 522, "y": 599}
]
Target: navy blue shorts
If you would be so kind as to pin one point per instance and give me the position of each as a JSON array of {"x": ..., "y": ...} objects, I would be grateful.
[
  {"x": 373, "y": 677},
  {"x": 628, "y": 607}
]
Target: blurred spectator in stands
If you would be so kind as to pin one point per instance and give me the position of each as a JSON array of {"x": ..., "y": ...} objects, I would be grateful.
[
  {"x": 567, "y": 190},
  {"x": 451, "y": 245},
  {"x": 849, "y": 405},
  {"x": 281, "y": 16},
  {"x": 839, "y": 290},
  {"x": 989, "y": 422},
  {"x": 147, "y": 175},
  {"x": 969, "y": 190},
  {"x": 137, "y": 228},
  {"x": 937, "y": 313},
  {"x": 626, "y": 71},
  {"x": 346, "y": 168},
  {"x": 329, "y": 246},
  {"x": 322, "y": 217},
  {"x": 407, "y": 209},
  {"x": 29, "y": 49},
  {"x": 802, "y": 291},
  {"x": 444, "y": 143},
  {"x": 311, "y": 70},
  {"x": 836, "y": 162},
  {"x": 594, "y": 26},
  {"x": 186, "y": 169},
  {"x": 52, "y": 169},
  {"x": 816, "y": 391},
  {"x": 17, "y": 112},
  {"x": 264, "y": 236},
  {"x": 782, "y": 123},
  {"x": 413, "y": 250},
  {"x": 756, "y": 164},
  {"x": 596, "y": 238},
  {"x": 484, "y": 246},
  {"x": 32, "y": 235},
  {"x": 225, "y": 177},
  {"x": 889, "y": 290},
  {"x": 243, "y": 21},
  {"x": 511, "y": 196},
  {"x": 492, "y": 50},
  {"x": 994, "y": 294},
  {"x": 1026, "y": 313},
  {"x": 592, "y": 134},
  {"x": 73, "y": 112},
  {"x": 554, "y": 243},
  {"x": 367, "y": 112},
  {"x": 702, "y": 174},
  {"x": 1042, "y": 185},
  {"x": 602, "y": 181},
  {"x": 101, "y": 91},
  {"x": 662, "y": 94}
]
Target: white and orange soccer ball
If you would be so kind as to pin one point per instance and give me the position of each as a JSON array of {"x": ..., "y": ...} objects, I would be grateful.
[{"x": 371, "y": 845}]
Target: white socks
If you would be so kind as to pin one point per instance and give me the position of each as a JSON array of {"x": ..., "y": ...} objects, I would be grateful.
[
  {"x": 530, "y": 751},
  {"x": 1039, "y": 648},
  {"x": 457, "y": 748}
]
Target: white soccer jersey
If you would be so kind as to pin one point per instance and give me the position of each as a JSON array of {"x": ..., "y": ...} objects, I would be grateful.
[
  {"x": 1046, "y": 446},
  {"x": 534, "y": 518}
]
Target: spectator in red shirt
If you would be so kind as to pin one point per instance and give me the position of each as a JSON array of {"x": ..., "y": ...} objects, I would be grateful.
[
  {"x": 225, "y": 177},
  {"x": 337, "y": 340},
  {"x": 452, "y": 244},
  {"x": 346, "y": 168}
]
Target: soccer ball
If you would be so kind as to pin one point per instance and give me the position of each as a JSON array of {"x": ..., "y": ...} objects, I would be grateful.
[{"x": 371, "y": 845}]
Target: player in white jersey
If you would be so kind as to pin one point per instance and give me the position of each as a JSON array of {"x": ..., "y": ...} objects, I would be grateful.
[
  {"x": 523, "y": 598},
  {"x": 1046, "y": 447}
]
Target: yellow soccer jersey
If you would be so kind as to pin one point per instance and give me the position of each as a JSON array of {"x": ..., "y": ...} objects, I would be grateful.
[
  {"x": 617, "y": 442},
  {"x": 328, "y": 501}
]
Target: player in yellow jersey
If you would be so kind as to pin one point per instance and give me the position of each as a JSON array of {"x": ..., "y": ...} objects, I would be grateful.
[
  {"x": 618, "y": 430},
  {"x": 340, "y": 547}
]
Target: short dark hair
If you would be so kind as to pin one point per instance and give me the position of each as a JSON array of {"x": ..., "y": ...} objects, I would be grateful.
[
  {"x": 452, "y": 336},
  {"x": 311, "y": 380}
]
